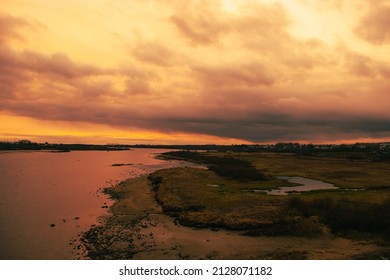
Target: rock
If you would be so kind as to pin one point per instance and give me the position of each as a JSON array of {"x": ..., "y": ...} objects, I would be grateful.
[{"x": 52, "y": 225}]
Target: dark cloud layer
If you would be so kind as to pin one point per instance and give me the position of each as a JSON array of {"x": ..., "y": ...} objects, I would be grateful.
[{"x": 240, "y": 76}]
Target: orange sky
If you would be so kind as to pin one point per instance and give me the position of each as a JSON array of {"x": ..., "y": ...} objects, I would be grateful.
[{"x": 215, "y": 71}]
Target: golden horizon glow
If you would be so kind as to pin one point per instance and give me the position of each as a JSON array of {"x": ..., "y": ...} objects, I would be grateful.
[
  {"x": 225, "y": 71},
  {"x": 65, "y": 132}
]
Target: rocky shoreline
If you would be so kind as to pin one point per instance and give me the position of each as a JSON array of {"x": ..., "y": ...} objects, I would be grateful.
[{"x": 138, "y": 229}]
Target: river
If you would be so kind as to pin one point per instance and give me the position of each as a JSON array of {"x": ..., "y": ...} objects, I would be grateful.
[{"x": 48, "y": 199}]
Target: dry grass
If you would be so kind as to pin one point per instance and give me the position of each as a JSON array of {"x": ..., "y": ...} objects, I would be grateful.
[{"x": 188, "y": 195}]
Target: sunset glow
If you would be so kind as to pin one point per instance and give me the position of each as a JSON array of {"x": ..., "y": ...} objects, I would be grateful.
[{"x": 215, "y": 71}]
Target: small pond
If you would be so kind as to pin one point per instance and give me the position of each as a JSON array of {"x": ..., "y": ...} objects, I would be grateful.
[{"x": 305, "y": 185}]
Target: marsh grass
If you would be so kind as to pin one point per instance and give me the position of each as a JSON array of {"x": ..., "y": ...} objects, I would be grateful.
[
  {"x": 226, "y": 167},
  {"x": 346, "y": 215},
  {"x": 185, "y": 194}
]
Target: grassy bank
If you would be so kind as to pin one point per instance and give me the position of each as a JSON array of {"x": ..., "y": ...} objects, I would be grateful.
[
  {"x": 201, "y": 198},
  {"x": 334, "y": 224},
  {"x": 226, "y": 167},
  {"x": 209, "y": 198}
]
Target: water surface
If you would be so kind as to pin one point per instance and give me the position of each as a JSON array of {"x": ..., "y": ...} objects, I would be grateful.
[
  {"x": 305, "y": 185},
  {"x": 38, "y": 189}
]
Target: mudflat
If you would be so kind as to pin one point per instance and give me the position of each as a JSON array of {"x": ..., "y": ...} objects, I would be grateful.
[{"x": 139, "y": 229}]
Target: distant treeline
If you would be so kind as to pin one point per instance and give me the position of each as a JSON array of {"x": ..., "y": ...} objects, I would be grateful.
[
  {"x": 278, "y": 147},
  {"x": 357, "y": 151},
  {"x": 230, "y": 168},
  {"x": 29, "y": 145}
]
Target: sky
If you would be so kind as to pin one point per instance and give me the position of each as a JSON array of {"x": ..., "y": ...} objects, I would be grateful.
[{"x": 195, "y": 72}]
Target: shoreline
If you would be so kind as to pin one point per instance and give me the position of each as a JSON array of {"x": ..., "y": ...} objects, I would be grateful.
[{"x": 139, "y": 229}]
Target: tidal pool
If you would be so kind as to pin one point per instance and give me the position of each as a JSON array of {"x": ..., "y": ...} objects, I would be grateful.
[{"x": 305, "y": 185}]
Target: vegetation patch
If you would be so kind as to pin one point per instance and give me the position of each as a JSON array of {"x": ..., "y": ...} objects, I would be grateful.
[
  {"x": 226, "y": 167},
  {"x": 185, "y": 194},
  {"x": 346, "y": 215},
  {"x": 291, "y": 226},
  {"x": 115, "y": 192}
]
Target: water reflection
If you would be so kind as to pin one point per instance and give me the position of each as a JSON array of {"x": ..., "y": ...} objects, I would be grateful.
[
  {"x": 48, "y": 199},
  {"x": 305, "y": 185}
]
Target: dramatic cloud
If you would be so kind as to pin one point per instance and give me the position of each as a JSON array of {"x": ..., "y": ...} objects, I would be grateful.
[
  {"x": 200, "y": 22},
  {"x": 9, "y": 25},
  {"x": 231, "y": 76},
  {"x": 374, "y": 26},
  {"x": 188, "y": 71}
]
